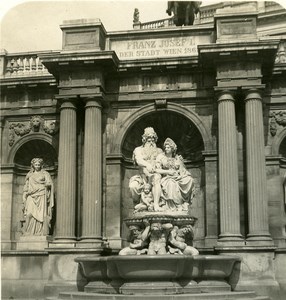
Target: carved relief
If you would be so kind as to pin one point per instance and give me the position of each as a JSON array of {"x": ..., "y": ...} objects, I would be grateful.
[
  {"x": 273, "y": 126},
  {"x": 277, "y": 118},
  {"x": 36, "y": 124},
  {"x": 280, "y": 118},
  {"x": 51, "y": 127},
  {"x": 281, "y": 54}
]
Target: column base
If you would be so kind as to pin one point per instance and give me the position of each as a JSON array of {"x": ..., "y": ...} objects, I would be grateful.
[
  {"x": 63, "y": 243},
  {"x": 234, "y": 239},
  {"x": 91, "y": 242},
  {"x": 259, "y": 240}
]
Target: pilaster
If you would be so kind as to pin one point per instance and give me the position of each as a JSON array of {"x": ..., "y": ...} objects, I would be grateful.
[
  {"x": 92, "y": 175},
  {"x": 228, "y": 171},
  {"x": 211, "y": 190},
  {"x": 256, "y": 172},
  {"x": 113, "y": 200},
  {"x": 66, "y": 194}
]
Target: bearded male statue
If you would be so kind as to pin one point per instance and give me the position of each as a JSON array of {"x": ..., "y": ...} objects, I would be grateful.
[{"x": 145, "y": 157}]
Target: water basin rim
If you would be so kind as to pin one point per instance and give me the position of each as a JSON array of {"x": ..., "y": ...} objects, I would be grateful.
[{"x": 158, "y": 257}]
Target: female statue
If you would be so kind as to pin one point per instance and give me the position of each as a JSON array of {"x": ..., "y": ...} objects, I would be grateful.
[
  {"x": 38, "y": 199},
  {"x": 177, "y": 183}
]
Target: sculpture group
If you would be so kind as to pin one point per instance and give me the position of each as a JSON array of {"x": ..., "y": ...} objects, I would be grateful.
[
  {"x": 163, "y": 182},
  {"x": 162, "y": 193}
]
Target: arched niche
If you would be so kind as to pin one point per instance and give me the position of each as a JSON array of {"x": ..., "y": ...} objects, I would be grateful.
[
  {"x": 146, "y": 110},
  {"x": 36, "y": 148},
  {"x": 37, "y": 145},
  {"x": 282, "y": 148},
  {"x": 278, "y": 145},
  {"x": 190, "y": 142},
  {"x": 166, "y": 124}
]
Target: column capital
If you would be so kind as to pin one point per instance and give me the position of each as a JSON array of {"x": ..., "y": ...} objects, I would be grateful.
[
  {"x": 67, "y": 104},
  {"x": 253, "y": 92},
  {"x": 92, "y": 102},
  {"x": 225, "y": 95},
  {"x": 66, "y": 101}
]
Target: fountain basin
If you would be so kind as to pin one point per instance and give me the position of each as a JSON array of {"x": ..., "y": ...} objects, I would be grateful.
[{"x": 172, "y": 271}]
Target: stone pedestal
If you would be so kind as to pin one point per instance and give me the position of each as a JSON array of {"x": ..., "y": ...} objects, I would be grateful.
[
  {"x": 228, "y": 171},
  {"x": 33, "y": 242},
  {"x": 255, "y": 272}
]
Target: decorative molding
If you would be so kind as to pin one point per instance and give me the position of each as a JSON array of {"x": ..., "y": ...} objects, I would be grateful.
[
  {"x": 281, "y": 54},
  {"x": 36, "y": 124},
  {"x": 273, "y": 126}
]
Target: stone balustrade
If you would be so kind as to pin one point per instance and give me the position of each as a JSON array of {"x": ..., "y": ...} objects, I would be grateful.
[
  {"x": 206, "y": 15},
  {"x": 22, "y": 65}
]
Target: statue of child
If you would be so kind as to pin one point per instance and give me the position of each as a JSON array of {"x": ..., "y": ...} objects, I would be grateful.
[{"x": 146, "y": 201}]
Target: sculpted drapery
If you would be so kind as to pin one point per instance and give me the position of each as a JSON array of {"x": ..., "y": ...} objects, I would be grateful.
[{"x": 38, "y": 200}]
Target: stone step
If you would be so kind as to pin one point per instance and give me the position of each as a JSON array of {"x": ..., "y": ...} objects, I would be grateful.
[{"x": 247, "y": 295}]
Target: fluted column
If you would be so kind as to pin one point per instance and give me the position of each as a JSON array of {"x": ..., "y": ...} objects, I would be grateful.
[
  {"x": 256, "y": 172},
  {"x": 2, "y": 120},
  {"x": 92, "y": 174},
  {"x": 66, "y": 192},
  {"x": 228, "y": 171}
]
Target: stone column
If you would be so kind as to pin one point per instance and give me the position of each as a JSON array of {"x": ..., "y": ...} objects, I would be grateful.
[
  {"x": 92, "y": 174},
  {"x": 66, "y": 194},
  {"x": 256, "y": 172},
  {"x": 228, "y": 170},
  {"x": 2, "y": 121}
]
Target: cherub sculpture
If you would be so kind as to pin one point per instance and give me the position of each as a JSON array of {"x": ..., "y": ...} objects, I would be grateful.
[
  {"x": 146, "y": 201},
  {"x": 181, "y": 241},
  {"x": 138, "y": 240}
]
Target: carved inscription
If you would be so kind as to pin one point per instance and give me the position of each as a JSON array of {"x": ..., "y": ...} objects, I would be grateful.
[{"x": 161, "y": 47}]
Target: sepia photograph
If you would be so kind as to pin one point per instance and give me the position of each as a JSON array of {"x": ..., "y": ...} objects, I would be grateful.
[{"x": 143, "y": 150}]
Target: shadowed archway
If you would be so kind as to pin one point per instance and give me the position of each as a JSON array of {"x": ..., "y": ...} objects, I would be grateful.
[{"x": 166, "y": 124}]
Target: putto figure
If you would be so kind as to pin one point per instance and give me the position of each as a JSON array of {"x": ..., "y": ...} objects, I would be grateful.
[
  {"x": 38, "y": 200},
  {"x": 146, "y": 201},
  {"x": 181, "y": 241},
  {"x": 138, "y": 240},
  {"x": 145, "y": 157}
]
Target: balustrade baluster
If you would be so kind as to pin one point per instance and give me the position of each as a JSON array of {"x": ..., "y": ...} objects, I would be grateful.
[
  {"x": 34, "y": 63},
  {"x": 9, "y": 67},
  {"x": 21, "y": 64},
  {"x": 27, "y": 64},
  {"x": 40, "y": 65},
  {"x": 15, "y": 65}
]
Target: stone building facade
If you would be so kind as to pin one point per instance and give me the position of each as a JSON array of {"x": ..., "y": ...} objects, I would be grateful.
[{"x": 217, "y": 88}]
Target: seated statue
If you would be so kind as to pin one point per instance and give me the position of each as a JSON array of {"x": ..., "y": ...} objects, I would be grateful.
[
  {"x": 145, "y": 157},
  {"x": 177, "y": 184}
]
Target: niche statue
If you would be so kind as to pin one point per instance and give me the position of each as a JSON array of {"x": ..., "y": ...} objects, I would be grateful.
[{"x": 38, "y": 200}]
